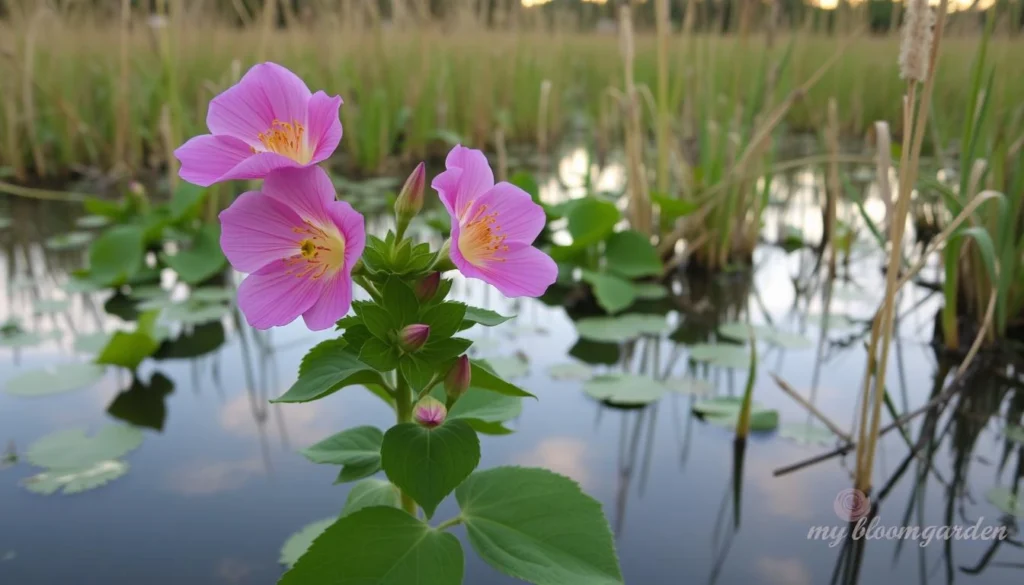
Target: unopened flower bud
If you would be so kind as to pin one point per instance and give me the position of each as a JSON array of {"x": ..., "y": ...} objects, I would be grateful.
[
  {"x": 414, "y": 336},
  {"x": 457, "y": 381},
  {"x": 410, "y": 199},
  {"x": 429, "y": 412},
  {"x": 426, "y": 288},
  {"x": 136, "y": 189}
]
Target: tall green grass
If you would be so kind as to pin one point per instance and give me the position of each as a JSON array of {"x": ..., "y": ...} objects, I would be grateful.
[{"x": 69, "y": 99}]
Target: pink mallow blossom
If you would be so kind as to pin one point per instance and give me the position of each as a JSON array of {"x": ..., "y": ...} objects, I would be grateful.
[
  {"x": 493, "y": 227},
  {"x": 298, "y": 245},
  {"x": 269, "y": 120}
]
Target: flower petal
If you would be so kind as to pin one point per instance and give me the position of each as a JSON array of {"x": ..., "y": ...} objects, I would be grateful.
[
  {"x": 333, "y": 303},
  {"x": 257, "y": 230},
  {"x": 259, "y": 165},
  {"x": 523, "y": 271},
  {"x": 519, "y": 218},
  {"x": 324, "y": 125},
  {"x": 352, "y": 226},
  {"x": 458, "y": 189},
  {"x": 307, "y": 190},
  {"x": 206, "y": 159},
  {"x": 272, "y": 296},
  {"x": 267, "y": 92}
]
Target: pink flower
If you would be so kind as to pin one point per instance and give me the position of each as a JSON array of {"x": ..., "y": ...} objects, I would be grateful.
[
  {"x": 429, "y": 412},
  {"x": 493, "y": 227},
  {"x": 268, "y": 120},
  {"x": 298, "y": 245}
]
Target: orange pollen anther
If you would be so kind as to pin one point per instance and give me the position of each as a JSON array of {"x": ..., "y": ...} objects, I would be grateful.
[
  {"x": 287, "y": 139},
  {"x": 320, "y": 251},
  {"x": 481, "y": 239}
]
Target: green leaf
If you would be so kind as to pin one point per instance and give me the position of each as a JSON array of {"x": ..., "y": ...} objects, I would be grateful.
[
  {"x": 128, "y": 349},
  {"x": 371, "y": 492},
  {"x": 649, "y": 291},
  {"x": 379, "y": 355},
  {"x": 68, "y": 241},
  {"x": 186, "y": 199},
  {"x": 691, "y": 386},
  {"x": 54, "y": 379},
  {"x": 401, "y": 302},
  {"x": 438, "y": 352},
  {"x": 92, "y": 342},
  {"x": 21, "y": 339},
  {"x": 806, "y": 434},
  {"x": 570, "y": 371},
  {"x": 538, "y": 526},
  {"x": 485, "y": 317},
  {"x": 483, "y": 405},
  {"x": 625, "y": 389},
  {"x": 417, "y": 371},
  {"x": 1006, "y": 501},
  {"x": 632, "y": 255},
  {"x": 212, "y": 294},
  {"x": 444, "y": 319},
  {"x": 1014, "y": 433},
  {"x": 738, "y": 331},
  {"x": 525, "y": 181},
  {"x": 509, "y": 367},
  {"x": 725, "y": 412},
  {"x": 327, "y": 368},
  {"x": 73, "y": 449},
  {"x": 357, "y": 471},
  {"x": 116, "y": 255},
  {"x": 77, "y": 480},
  {"x": 298, "y": 543},
  {"x": 356, "y": 336},
  {"x": 591, "y": 221},
  {"x": 380, "y": 546},
  {"x": 195, "y": 313},
  {"x": 427, "y": 463},
  {"x": 359, "y": 446},
  {"x": 672, "y": 208},
  {"x": 49, "y": 306},
  {"x": 202, "y": 260},
  {"x": 621, "y": 328},
  {"x": 92, "y": 221},
  {"x": 724, "y": 355},
  {"x": 482, "y": 376},
  {"x": 613, "y": 293},
  {"x": 380, "y": 323}
]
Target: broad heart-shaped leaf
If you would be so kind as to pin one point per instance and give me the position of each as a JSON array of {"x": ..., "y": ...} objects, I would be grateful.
[
  {"x": 612, "y": 293},
  {"x": 483, "y": 376},
  {"x": 632, "y": 255},
  {"x": 53, "y": 380},
  {"x": 591, "y": 220},
  {"x": 444, "y": 319},
  {"x": 538, "y": 526},
  {"x": 482, "y": 405},
  {"x": 401, "y": 302},
  {"x": 379, "y": 355},
  {"x": 622, "y": 327},
  {"x": 379, "y": 545},
  {"x": 625, "y": 389},
  {"x": 650, "y": 291},
  {"x": 202, "y": 260},
  {"x": 116, "y": 255},
  {"x": 73, "y": 481},
  {"x": 129, "y": 349},
  {"x": 327, "y": 368},
  {"x": 357, "y": 471},
  {"x": 73, "y": 449},
  {"x": 427, "y": 463},
  {"x": 725, "y": 412},
  {"x": 725, "y": 355},
  {"x": 1006, "y": 501},
  {"x": 298, "y": 543},
  {"x": 371, "y": 492},
  {"x": 485, "y": 317},
  {"x": 356, "y": 446},
  {"x": 378, "y": 321}
]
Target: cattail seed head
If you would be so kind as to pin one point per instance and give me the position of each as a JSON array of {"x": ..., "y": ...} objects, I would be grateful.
[{"x": 917, "y": 41}]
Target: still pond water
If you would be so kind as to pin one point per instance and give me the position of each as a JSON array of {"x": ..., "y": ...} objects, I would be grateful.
[{"x": 217, "y": 487}]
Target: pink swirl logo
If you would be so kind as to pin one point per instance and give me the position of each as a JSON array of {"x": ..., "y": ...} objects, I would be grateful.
[{"x": 851, "y": 505}]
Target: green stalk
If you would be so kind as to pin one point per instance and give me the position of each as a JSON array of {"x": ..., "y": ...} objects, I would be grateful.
[
  {"x": 403, "y": 407},
  {"x": 743, "y": 424}
]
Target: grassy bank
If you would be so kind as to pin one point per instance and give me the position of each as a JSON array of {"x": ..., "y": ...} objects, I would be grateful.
[{"x": 110, "y": 96}]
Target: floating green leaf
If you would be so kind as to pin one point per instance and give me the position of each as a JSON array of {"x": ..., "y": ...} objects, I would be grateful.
[
  {"x": 725, "y": 412},
  {"x": 73, "y": 449},
  {"x": 806, "y": 434},
  {"x": 590, "y": 221},
  {"x": 724, "y": 355},
  {"x": 625, "y": 389},
  {"x": 631, "y": 254},
  {"x": 613, "y": 293},
  {"x": 92, "y": 221},
  {"x": 202, "y": 259},
  {"x": 116, "y": 255},
  {"x": 298, "y": 543},
  {"x": 621, "y": 328},
  {"x": 379, "y": 546},
  {"x": 73, "y": 481},
  {"x": 738, "y": 331},
  {"x": 570, "y": 371},
  {"x": 538, "y": 526},
  {"x": 212, "y": 294},
  {"x": 649, "y": 291},
  {"x": 54, "y": 379},
  {"x": 18, "y": 339},
  {"x": 427, "y": 463},
  {"x": 46, "y": 306},
  {"x": 325, "y": 369},
  {"x": 68, "y": 241},
  {"x": 195, "y": 313},
  {"x": 92, "y": 342},
  {"x": 371, "y": 492},
  {"x": 509, "y": 367},
  {"x": 832, "y": 321},
  {"x": 692, "y": 386}
]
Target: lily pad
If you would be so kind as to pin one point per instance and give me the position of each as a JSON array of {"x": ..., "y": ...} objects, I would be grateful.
[
  {"x": 726, "y": 411},
  {"x": 68, "y": 241},
  {"x": 150, "y": 292},
  {"x": 298, "y": 543},
  {"x": 835, "y": 321},
  {"x": 195, "y": 313},
  {"x": 53, "y": 379},
  {"x": 20, "y": 339},
  {"x": 47, "y": 306},
  {"x": 1006, "y": 501},
  {"x": 211, "y": 294},
  {"x": 92, "y": 342},
  {"x": 650, "y": 291},
  {"x": 724, "y": 355},
  {"x": 570, "y": 371},
  {"x": 73, "y": 449},
  {"x": 625, "y": 389},
  {"x": 621, "y": 328},
  {"x": 509, "y": 367},
  {"x": 692, "y": 386},
  {"x": 92, "y": 221},
  {"x": 807, "y": 434},
  {"x": 739, "y": 331},
  {"x": 73, "y": 481}
]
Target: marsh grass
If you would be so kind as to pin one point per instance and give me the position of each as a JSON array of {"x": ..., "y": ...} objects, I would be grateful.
[{"x": 90, "y": 89}]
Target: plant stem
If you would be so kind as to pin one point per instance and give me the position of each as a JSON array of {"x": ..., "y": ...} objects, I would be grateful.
[
  {"x": 367, "y": 286},
  {"x": 449, "y": 523},
  {"x": 403, "y": 406}
]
